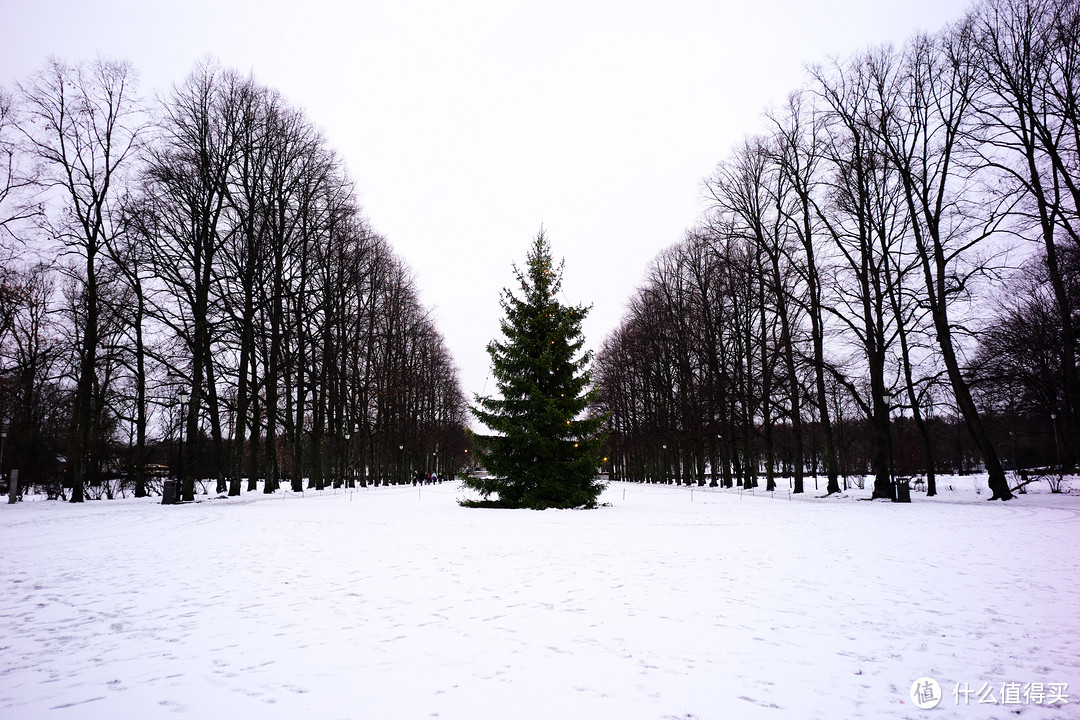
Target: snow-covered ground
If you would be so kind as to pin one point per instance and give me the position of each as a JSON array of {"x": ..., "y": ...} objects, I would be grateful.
[{"x": 397, "y": 603}]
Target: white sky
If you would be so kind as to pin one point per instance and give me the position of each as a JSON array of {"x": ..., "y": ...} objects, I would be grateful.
[{"x": 468, "y": 125}]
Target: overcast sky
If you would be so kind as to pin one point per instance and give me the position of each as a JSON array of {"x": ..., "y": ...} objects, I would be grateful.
[{"x": 468, "y": 125}]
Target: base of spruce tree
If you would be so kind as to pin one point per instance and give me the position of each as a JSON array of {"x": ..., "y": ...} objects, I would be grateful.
[{"x": 507, "y": 505}]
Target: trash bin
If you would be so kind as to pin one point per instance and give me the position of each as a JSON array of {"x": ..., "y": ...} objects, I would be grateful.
[
  {"x": 903, "y": 490},
  {"x": 168, "y": 495}
]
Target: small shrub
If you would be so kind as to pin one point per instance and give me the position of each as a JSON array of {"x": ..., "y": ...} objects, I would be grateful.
[{"x": 1056, "y": 481}]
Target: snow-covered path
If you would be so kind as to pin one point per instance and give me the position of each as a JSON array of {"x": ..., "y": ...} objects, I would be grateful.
[{"x": 397, "y": 603}]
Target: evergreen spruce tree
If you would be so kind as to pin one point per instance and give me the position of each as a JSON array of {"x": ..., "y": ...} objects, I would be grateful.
[{"x": 544, "y": 452}]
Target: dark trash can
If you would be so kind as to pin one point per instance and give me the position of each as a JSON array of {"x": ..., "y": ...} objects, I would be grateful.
[
  {"x": 169, "y": 495},
  {"x": 903, "y": 490}
]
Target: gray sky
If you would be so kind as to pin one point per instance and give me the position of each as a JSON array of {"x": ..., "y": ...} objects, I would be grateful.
[{"x": 468, "y": 125}]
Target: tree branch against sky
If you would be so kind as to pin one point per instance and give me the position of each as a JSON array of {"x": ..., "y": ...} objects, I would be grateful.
[
  {"x": 623, "y": 105},
  {"x": 83, "y": 125},
  {"x": 303, "y": 343}
]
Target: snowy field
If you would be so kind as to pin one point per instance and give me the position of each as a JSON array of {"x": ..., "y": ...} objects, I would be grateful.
[{"x": 398, "y": 603}]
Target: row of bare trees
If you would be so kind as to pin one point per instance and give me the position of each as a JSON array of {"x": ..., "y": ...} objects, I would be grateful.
[
  {"x": 849, "y": 256},
  {"x": 205, "y": 275}
]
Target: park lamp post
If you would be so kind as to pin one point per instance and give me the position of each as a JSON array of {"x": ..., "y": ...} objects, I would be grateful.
[
  {"x": 173, "y": 490},
  {"x": 183, "y": 398},
  {"x": 356, "y": 434},
  {"x": 1057, "y": 446},
  {"x": 348, "y": 456},
  {"x": 716, "y": 482},
  {"x": 3, "y": 439}
]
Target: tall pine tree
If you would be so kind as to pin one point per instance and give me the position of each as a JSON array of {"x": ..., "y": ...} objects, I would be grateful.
[{"x": 544, "y": 452}]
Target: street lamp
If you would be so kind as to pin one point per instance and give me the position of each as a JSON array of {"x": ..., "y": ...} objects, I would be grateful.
[
  {"x": 3, "y": 439},
  {"x": 356, "y": 432},
  {"x": 1057, "y": 446},
  {"x": 663, "y": 459},
  {"x": 722, "y": 480},
  {"x": 183, "y": 398},
  {"x": 347, "y": 455},
  {"x": 892, "y": 462},
  {"x": 401, "y": 464}
]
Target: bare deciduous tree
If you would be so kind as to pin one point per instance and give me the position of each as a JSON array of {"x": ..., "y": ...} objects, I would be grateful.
[{"x": 83, "y": 124}]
